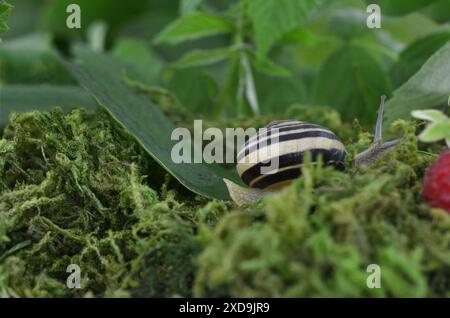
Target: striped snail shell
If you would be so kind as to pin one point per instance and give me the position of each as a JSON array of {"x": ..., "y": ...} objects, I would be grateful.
[{"x": 287, "y": 141}]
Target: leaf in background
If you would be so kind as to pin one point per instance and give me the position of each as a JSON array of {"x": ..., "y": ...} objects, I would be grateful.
[
  {"x": 189, "y": 6},
  {"x": 145, "y": 65},
  {"x": 193, "y": 26},
  {"x": 31, "y": 60},
  {"x": 416, "y": 54},
  {"x": 438, "y": 128},
  {"x": 428, "y": 88},
  {"x": 203, "y": 58},
  {"x": 5, "y": 10},
  {"x": 24, "y": 98},
  {"x": 195, "y": 88},
  {"x": 439, "y": 11},
  {"x": 24, "y": 17},
  {"x": 101, "y": 75},
  {"x": 268, "y": 67},
  {"x": 352, "y": 81},
  {"x": 348, "y": 23},
  {"x": 276, "y": 94},
  {"x": 408, "y": 28},
  {"x": 274, "y": 18},
  {"x": 401, "y": 7}
]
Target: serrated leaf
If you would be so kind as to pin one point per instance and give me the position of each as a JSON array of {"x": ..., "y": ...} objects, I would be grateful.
[
  {"x": 101, "y": 76},
  {"x": 352, "y": 81},
  {"x": 274, "y": 18},
  {"x": 428, "y": 88},
  {"x": 24, "y": 98},
  {"x": 5, "y": 11},
  {"x": 193, "y": 26},
  {"x": 203, "y": 58}
]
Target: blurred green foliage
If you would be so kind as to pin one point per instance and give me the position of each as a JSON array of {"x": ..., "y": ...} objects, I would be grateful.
[{"x": 214, "y": 54}]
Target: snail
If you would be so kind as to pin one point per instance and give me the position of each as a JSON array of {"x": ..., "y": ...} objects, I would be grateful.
[{"x": 286, "y": 142}]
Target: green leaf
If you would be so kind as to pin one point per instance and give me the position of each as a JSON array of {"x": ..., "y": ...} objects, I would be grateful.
[
  {"x": 203, "y": 58},
  {"x": 276, "y": 94},
  {"x": 193, "y": 26},
  {"x": 189, "y": 6},
  {"x": 31, "y": 60},
  {"x": 24, "y": 98},
  {"x": 268, "y": 67},
  {"x": 432, "y": 115},
  {"x": 101, "y": 75},
  {"x": 416, "y": 54},
  {"x": 348, "y": 23},
  {"x": 145, "y": 65},
  {"x": 439, "y": 11},
  {"x": 408, "y": 28},
  {"x": 194, "y": 88},
  {"x": 401, "y": 7},
  {"x": 5, "y": 11},
  {"x": 352, "y": 81},
  {"x": 272, "y": 19},
  {"x": 437, "y": 129},
  {"x": 435, "y": 132},
  {"x": 428, "y": 88}
]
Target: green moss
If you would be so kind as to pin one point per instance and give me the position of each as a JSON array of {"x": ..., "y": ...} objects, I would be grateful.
[
  {"x": 317, "y": 237},
  {"x": 73, "y": 191},
  {"x": 77, "y": 189}
]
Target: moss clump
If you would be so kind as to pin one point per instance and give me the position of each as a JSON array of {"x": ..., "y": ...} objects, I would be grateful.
[
  {"x": 72, "y": 191},
  {"x": 76, "y": 189}
]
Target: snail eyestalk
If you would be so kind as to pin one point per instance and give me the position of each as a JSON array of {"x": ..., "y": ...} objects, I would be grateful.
[
  {"x": 378, "y": 147},
  {"x": 379, "y": 127}
]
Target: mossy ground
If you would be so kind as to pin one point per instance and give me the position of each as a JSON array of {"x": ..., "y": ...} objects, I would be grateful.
[{"x": 77, "y": 189}]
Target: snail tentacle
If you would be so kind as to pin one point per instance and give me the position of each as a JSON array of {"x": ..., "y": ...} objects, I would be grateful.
[{"x": 378, "y": 147}]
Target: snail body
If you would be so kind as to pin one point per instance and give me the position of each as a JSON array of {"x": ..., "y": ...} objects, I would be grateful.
[{"x": 286, "y": 143}]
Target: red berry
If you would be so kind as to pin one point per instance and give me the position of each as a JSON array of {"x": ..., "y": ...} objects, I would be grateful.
[{"x": 436, "y": 188}]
